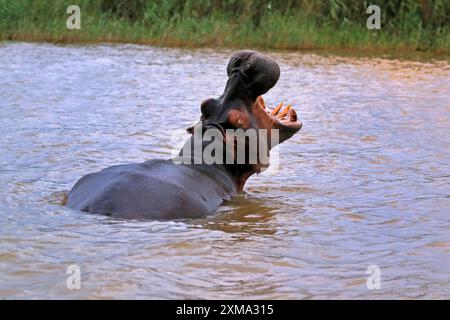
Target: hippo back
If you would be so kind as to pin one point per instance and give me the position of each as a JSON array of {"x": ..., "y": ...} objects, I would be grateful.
[{"x": 155, "y": 189}]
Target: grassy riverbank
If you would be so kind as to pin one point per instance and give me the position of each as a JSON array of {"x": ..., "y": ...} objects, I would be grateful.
[{"x": 408, "y": 25}]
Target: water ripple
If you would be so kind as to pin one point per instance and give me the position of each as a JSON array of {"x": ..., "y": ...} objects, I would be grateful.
[{"x": 365, "y": 182}]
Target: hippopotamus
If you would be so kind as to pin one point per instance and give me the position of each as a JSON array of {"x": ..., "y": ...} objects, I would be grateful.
[{"x": 179, "y": 189}]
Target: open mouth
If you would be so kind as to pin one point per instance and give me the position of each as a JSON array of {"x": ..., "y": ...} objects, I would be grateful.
[{"x": 286, "y": 116}]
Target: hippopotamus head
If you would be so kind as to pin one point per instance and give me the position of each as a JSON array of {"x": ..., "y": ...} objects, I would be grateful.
[
  {"x": 250, "y": 75},
  {"x": 241, "y": 106}
]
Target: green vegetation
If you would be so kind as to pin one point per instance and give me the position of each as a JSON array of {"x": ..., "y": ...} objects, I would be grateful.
[{"x": 407, "y": 25}]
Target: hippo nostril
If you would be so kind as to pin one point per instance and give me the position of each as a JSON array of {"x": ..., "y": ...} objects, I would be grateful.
[
  {"x": 235, "y": 70},
  {"x": 242, "y": 73}
]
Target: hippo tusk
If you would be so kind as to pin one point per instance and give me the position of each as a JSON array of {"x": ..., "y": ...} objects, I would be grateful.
[
  {"x": 285, "y": 111},
  {"x": 277, "y": 109},
  {"x": 261, "y": 102}
]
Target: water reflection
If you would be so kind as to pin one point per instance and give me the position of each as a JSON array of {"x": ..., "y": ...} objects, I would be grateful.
[{"x": 244, "y": 215}]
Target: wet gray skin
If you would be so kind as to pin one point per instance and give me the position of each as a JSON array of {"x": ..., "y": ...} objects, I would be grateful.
[{"x": 163, "y": 189}]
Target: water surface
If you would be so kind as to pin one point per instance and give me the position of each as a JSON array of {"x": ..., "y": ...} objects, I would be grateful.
[{"x": 366, "y": 181}]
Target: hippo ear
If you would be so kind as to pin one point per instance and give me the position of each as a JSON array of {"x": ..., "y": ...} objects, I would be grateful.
[
  {"x": 208, "y": 108},
  {"x": 190, "y": 130}
]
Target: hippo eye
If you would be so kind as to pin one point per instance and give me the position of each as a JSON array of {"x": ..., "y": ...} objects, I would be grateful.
[{"x": 208, "y": 107}]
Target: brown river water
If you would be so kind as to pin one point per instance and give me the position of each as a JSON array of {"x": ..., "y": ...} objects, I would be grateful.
[{"x": 365, "y": 182}]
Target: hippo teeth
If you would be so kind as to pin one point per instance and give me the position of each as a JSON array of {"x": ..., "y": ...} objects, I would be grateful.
[
  {"x": 262, "y": 103},
  {"x": 287, "y": 114},
  {"x": 277, "y": 109},
  {"x": 285, "y": 111}
]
